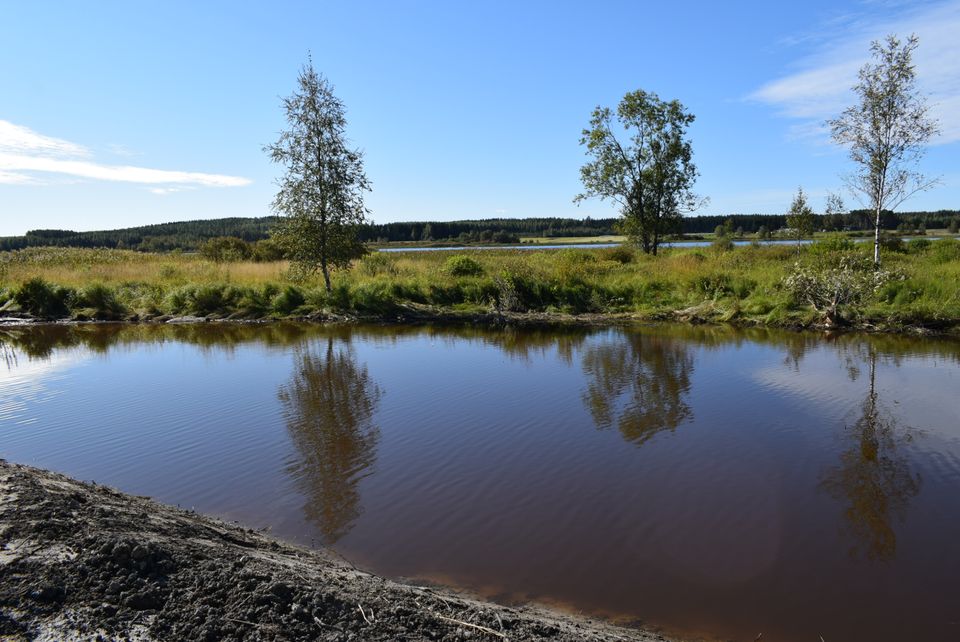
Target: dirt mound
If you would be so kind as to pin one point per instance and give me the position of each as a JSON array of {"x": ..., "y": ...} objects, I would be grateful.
[{"x": 81, "y": 561}]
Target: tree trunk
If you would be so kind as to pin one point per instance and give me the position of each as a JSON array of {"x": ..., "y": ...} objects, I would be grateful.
[
  {"x": 876, "y": 241},
  {"x": 326, "y": 273}
]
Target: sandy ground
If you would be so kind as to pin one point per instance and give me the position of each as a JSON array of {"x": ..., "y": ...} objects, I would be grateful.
[{"x": 81, "y": 561}]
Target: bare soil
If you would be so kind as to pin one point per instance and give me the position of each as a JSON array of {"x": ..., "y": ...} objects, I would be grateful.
[{"x": 80, "y": 561}]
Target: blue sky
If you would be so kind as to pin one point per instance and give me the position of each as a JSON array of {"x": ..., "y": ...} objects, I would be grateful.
[{"x": 115, "y": 114}]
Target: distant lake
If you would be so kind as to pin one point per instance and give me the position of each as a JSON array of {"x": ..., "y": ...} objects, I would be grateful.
[
  {"x": 707, "y": 480},
  {"x": 560, "y": 246}
]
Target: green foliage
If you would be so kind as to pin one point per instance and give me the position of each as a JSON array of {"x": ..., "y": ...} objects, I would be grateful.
[
  {"x": 99, "y": 302},
  {"x": 460, "y": 265},
  {"x": 620, "y": 254},
  {"x": 651, "y": 175},
  {"x": 722, "y": 243},
  {"x": 831, "y": 245},
  {"x": 892, "y": 243},
  {"x": 887, "y": 130},
  {"x": 945, "y": 250},
  {"x": 288, "y": 300},
  {"x": 204, "y": 300},
  {"x": 43, "y": 299},
  {"x": 800, "y": 218},
  {"x": 834, "y": 287},
  {"x": 266, "y": 251},
  {"x": 377, "y": 263},
  {"x": 226, "y": 248},
  {"x": 953, "y": 226},
  {"x": 711, "y": 285},
  {"x": 742, "y": 284},
  {"x": 321, "y": 192},
  {"x": 918, "y": 246}
]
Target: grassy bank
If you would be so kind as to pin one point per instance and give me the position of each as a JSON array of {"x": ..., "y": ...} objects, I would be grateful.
[{"x": 741, "y": 285}]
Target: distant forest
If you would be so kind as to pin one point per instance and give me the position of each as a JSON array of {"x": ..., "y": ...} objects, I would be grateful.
[{"x": 190, "y": 235}]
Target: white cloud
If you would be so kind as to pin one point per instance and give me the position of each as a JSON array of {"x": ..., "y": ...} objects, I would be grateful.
[
  {"x": 23, "y": 150},
  {"x": 12, "y": 178},
  {"x": 17, "y": 139},
  {"x": 821, "y": 87},
  {"x": 163, "y": 191},
  {"x": 121, "y": 150}
]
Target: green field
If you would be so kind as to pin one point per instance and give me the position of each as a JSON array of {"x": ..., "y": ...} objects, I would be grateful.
[{"x": 743, "y": 285}]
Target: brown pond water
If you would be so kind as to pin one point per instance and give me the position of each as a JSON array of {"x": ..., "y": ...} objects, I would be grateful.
[{"x": 709, "y": 481}]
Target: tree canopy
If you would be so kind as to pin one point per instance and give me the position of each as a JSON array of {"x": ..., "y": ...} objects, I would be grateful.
[
  {"x": 321, "y": 193},
  {"x": 650, "y": 174},
  {"x": 886, "y": 130}
]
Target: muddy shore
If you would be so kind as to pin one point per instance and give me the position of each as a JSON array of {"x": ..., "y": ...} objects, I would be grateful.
[{"x": 80, "y": 561}]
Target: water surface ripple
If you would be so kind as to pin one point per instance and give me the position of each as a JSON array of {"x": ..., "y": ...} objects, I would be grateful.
[{"x": 710, "y": 481}]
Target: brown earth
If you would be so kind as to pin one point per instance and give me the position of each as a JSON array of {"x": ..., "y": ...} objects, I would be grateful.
[{"x": 80, "y": 561}]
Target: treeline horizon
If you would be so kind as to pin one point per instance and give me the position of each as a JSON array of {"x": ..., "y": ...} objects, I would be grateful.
[{"x": 190, "y": 235}]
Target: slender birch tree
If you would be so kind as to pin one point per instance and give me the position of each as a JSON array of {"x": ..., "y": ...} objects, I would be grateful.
[
  {"x": 886, "y": 131},
  {"x": 321, "y": 193}
]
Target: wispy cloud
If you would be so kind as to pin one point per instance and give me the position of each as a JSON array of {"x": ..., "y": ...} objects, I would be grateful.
[
  {"x": 12, "y": 178},
  {"x": 121, "y": 150},
  {"x": 16, "y": 139},
  {"x": 24, "y": 152},
  {"x": 820, "y": 89}
]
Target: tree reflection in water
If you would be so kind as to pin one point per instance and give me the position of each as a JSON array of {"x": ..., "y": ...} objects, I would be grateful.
[
  {"x": 873, "y": 479},
  {"x": 329, "y": 405},
  {"x": 639, "y": 385}
]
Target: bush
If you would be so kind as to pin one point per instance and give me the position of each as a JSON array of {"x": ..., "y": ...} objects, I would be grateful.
[
  {"x": 712, "y": 285},
  {"x": 621, "y": 254},
  {"x": 833, "y": 286},
  {"x": 288, "y": 300},
  {"x": 892, "y": 243},
  {"x": 99, "y": 302},
  {"x": 377, "y": 263},
  {"x": 918, "y": 246},
  {"x": 832, "y": 244},
  {"x": 201, "y": 300},
  {"x": 945, "y": 250},
  {"x": 266, "y": 251},
  {"x": 42, "y": 299},
  {"x": 226, "y": 248},
  {"x": 722, "y": 244},
  {"x": 459, "y": 265}
]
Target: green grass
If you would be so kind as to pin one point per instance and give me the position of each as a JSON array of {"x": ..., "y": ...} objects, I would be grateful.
[{"x": 742, "y": 285}]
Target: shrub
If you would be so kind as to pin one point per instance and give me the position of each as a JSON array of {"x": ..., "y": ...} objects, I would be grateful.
[
  {"x": 288, "y": 300},
  {"x": 266, "y": 251},
  {"x": 621, "y": 254},
  {"x": 722, "y": 244},
  {"x": 832, "y": 244},
  {"x": 42, "y": 299},
  {"x": 98, "y": 301},
  {"x": 847, "y": 280},
  {"x": 226, "y": 248},
  {"x": 892, "y": 243},
  {"x": 918, "y": 246},
  {"x": 945, "y": 250},
  {"x": 460, "y": 265},
  {"x": 899, "y": 292},
  {"x": 377, "y": 263},
  {"x": 712, "y": 285}
]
